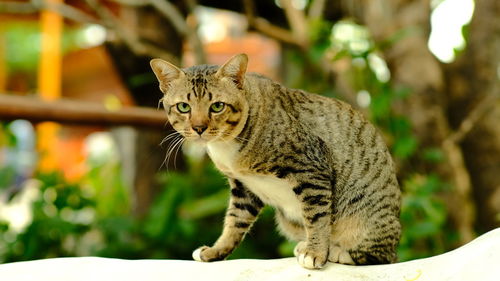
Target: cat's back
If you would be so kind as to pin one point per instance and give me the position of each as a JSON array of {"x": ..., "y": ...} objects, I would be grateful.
[
  {"x": 331, "y": 119},
  {"x": 353, "y": 142}
]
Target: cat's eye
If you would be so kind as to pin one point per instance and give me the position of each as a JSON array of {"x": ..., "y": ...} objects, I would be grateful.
[
  {"x": 183, "y": 107},
  {"x": 217, "y": 107}
]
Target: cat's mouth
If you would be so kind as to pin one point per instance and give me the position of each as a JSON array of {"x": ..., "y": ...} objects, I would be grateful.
[
  {"x": 210, "y": 135},
  {"x": 202, "y": 139}
]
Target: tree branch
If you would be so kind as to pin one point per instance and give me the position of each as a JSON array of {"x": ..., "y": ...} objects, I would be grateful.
[
  {"x": 35, "y": 6},
  {"x": 266, "y": 28},
  {"x": 17, "y": 7},
  {"x": 485, "y": 105},
  {"x": 317, "y": 9},
  {"x": 297, "y": 21},
  {"x": 108, "y": 20},
  {"x": 193, "y": 25},
  {"x": 65, "y": 10},
  {"x": 129, "y": 38},
  {"x": 460, "y": 178},
  {"x": 169, "y": 11},
  {"x": 172, "y": 14},
  {"x": 133, "y": 3}
]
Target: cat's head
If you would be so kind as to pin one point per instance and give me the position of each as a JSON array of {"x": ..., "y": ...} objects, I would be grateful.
[{"x": 205, "y": 103}]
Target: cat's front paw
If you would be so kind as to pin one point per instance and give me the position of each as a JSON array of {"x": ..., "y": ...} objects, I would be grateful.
[
  {"x": 207, "y": 254},
  {"x": 310, "y": 257},
  {"x": 299, "y": 248}
]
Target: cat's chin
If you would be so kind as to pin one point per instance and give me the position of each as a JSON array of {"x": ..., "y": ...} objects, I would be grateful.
[{"x": 198, "y": 140}]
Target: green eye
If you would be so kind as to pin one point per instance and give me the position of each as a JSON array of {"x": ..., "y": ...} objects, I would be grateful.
[
  {"x": 183, "y": 107},
  {"x": 217, "y": 107}
]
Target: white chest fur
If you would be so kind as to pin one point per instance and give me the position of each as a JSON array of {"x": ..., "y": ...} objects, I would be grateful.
[
  {"x": 224, "y": 155},
  {"x": 275, "y": 192},
  {"x": 270, "y": 189}
]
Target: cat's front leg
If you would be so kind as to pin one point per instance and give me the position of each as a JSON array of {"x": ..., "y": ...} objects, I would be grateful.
[
  {"x": 316, "y": 211},
  {"x": 243, "y": 209}
]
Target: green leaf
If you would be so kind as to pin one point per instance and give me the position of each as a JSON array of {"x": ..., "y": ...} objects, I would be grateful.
[
  {"x": 433, "y": 155},
  {"x": 424, "y": 229},
  {"x": 162, "y": 213},
  {"x": 285, "y": 249},
  {"x": 206, "y": 206},
  {"x": 405, "y": 147},
  {"x": 400, "y": 126}
]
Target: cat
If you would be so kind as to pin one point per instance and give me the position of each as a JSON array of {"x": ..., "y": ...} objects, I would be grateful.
[{"x": 317, "y": 161}]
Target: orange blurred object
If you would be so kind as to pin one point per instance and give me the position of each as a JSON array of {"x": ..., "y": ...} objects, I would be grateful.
[{"x": 49, "y": 83}]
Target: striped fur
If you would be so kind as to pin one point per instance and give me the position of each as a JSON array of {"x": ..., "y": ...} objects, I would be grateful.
[{"x": 316, "y": 160}]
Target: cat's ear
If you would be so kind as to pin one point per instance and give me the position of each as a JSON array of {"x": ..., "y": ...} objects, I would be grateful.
[
  {"x": 235, "y": 68},
  {"x": 165, "y": 72}
]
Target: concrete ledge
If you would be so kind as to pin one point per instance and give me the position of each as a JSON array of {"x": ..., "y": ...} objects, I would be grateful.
[{"x": 478, "y": 260}]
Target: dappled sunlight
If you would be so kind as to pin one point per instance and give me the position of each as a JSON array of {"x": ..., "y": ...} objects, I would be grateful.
[
  {"x": 18, "y": 211},
  {"x": 92, "y": 35},
  {"x": 447, "y": 21}
]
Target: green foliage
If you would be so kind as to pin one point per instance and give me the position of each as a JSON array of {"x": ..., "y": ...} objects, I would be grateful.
[
  {"x": 320, "y": 35},
  {"x": 112, "y": 196},
  {"x": 61, "y": 214},
  {"x": 174, "y": 216},
  {"x": 22, "y": 46},
  {"x": 70, "y": 219},
  {"x": 7, "y": 176},
  {"x": 423, "y": 217},
  {"x": 7, "y": 170}
]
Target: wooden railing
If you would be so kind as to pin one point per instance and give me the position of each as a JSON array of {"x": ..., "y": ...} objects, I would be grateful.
[{"x": 79, "y": 112}]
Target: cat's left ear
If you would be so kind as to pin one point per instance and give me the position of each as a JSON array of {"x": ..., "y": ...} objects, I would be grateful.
[{"x": 235, "y": 68}]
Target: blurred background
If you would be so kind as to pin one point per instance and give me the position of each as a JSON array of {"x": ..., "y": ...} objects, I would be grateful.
[{"x": 84, "y": 170}]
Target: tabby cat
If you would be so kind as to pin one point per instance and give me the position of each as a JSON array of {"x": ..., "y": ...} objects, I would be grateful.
[{"x": 317, "y": 161}]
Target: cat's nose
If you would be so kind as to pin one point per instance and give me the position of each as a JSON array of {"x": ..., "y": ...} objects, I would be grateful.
[{"x": 200, "y": 129}]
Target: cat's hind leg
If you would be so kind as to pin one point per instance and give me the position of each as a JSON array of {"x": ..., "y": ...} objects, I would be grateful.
[
  {"x": 348, "y": 232},
  {"x": 353, "y": 242},
  {"x": 339, "y": 255},
  {"x": 373, "y": 256}
]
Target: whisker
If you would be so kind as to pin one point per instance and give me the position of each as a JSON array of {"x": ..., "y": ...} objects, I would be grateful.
[
  {"x": 169, "y": 154},
  {"x": 237, "y": 138},
  {"x": 165, "y": 160},
  {"x": 179, "y": 147},
  {"x": 160, "y": 101},
  {"x": 178, "y": 139},
  {"x": 171, "y": 151},
  {"x": 169, "y": 136}
]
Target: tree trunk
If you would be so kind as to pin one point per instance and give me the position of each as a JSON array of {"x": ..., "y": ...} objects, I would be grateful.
[
  {"x": 473, "y": 86},
  {"x": 147, "y": 23},
  {"x": 413, "y": 66}
]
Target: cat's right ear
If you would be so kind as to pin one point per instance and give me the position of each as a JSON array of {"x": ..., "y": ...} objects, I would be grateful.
[{"x": 165, "y": 72}]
